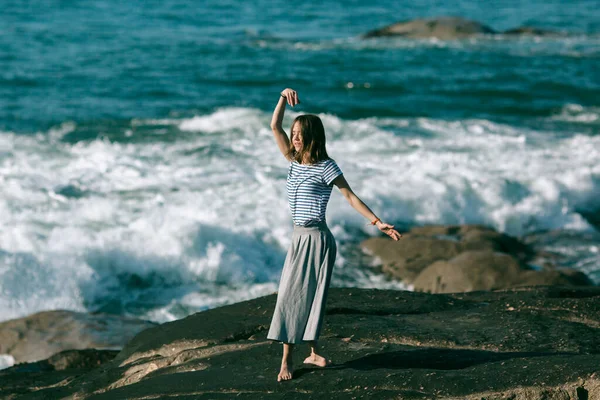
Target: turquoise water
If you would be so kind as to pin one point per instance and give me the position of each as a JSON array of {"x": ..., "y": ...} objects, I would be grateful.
[{"x": 139, "y": 174}]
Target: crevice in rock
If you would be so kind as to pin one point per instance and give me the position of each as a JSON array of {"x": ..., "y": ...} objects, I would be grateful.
[{"x": 582, "y": 394}]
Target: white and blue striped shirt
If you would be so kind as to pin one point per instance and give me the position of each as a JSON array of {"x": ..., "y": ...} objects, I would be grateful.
[{"x": 309, "y": 188}]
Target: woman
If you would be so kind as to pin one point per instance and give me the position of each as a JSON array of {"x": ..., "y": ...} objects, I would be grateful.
[{"x": 306, "y": 274}]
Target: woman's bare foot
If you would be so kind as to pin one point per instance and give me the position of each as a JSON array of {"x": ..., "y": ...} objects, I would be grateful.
[
  {"x": 317, "y": 360},
  {"x": 286, "y": 371}
]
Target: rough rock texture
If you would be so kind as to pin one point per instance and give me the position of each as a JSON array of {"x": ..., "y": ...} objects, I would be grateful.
[
  {"x": 22, "y": 379},
  {"x": 448, "y": 28},
  {"x": 530, "y": 343},
  {"x": 440, "y": 28},
  {"x": 38, "y": 336},
  {"x": 447, "y": 259}
]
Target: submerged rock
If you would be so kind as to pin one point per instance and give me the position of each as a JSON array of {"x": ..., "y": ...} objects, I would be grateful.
[
  {"x": 530, "y": 343},
  {"x": 441, "y": 28}
]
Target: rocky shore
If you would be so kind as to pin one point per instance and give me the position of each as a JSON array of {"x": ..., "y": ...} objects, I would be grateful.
[
  {"x": 463, "y": 258},
  {"x": 490, "y": 318},
  {"x": 526, "y": 343}
]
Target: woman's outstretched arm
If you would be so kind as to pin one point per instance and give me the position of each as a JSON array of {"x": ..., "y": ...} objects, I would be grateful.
[
  {"x": 362, "y": 208},
  {"x": 283, "y": 142}
]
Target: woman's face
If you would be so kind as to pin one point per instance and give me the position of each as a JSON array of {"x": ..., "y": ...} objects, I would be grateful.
[{"x": 297, "y": 137}]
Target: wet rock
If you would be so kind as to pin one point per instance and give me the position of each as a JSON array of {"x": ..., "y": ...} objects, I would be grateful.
[
  {"x": 533, "y": 31},
  {"x": 449, "y": 28},
  {"x": 522, "y": 344},
  {"x": 441, "y": 28}
]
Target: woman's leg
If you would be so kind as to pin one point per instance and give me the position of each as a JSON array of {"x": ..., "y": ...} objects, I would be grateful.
[
  {"x": 314, "y": 357},
  {"x": 286, "y": 363}
]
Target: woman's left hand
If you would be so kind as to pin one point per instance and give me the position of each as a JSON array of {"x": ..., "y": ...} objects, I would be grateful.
[{"x": 389, "y": 230}]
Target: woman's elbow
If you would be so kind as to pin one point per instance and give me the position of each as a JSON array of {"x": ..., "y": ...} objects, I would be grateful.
[{"x": 350, "y": 198}]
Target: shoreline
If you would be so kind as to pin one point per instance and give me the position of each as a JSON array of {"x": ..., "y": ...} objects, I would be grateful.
[{"x": 384, "y": 343}]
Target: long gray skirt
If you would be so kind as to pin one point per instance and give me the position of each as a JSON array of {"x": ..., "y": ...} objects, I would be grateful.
[{"x": 304, "y": 285}]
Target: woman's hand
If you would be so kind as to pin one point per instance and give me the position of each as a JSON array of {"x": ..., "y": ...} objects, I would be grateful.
[
  {"x": 291, "y": 96},
  {"x": 389, "y": 230}
]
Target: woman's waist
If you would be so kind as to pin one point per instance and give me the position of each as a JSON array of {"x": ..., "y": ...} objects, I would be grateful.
[{"x": 311, "y": 226}]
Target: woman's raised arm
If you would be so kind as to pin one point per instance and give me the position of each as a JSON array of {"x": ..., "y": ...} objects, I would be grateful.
[{"x": 283, "y": 142}]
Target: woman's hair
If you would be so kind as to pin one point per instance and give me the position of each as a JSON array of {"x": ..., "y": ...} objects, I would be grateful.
[{"x": 313, "y": 139}]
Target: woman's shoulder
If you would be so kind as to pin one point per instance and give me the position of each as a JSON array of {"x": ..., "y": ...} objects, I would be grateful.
[{"x": 329, "y": 161}]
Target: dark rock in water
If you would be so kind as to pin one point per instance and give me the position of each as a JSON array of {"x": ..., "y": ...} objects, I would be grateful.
[
  {"x": 447, "y": 259},
  {"x": 530, "y": 30},
  {"x": 440, "y": 28},
  {"x": 448, "y": 28},
  {"x": 530, "y": 343},
  {"x": 39, "y": 336}
]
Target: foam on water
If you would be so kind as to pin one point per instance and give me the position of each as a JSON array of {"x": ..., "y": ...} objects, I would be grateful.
[
  {"x": 6, "y": 361},
  {"x": 575, "y": 46},
  {"x": 580, "y": 114},
  {"x": 164, "y": 228}
]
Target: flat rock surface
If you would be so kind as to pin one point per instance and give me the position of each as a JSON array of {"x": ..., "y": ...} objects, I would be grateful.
[{"x": 527, "y": 343}]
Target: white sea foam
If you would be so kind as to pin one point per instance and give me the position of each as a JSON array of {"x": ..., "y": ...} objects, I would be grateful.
[
  {"x": 6, "y": 361},
  {"x": 576, "y": 46},
  {"x": 579, "y": 113},
  {"x": 204, "y": 220}
]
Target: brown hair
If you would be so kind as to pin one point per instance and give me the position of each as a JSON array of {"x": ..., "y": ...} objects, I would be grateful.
[{"x": 313, "y": 139}]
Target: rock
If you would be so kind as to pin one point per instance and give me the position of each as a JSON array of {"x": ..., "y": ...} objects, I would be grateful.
[
  {"x": 406, "y": 258},
  {"x": 530, "y": 30},
  {"x": 448, "y": 259},
  {"x": 39, "y": 336},
  {"x": 66, "y": 360},
  {"x": 488, "y": 270},
  {"x": 422, "y": 246},
  {"x": 522, "y": 344},
  {"x": 471, "y": 270},
  {"x": 62, "y": 367},
  {"x": 448, "y": 28},
  {"x": 561, "y": 277},
  {"x": 441, "y": 28}
]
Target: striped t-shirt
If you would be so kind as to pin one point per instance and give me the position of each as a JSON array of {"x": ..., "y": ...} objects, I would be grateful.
[{"x": 309, "y": 188}]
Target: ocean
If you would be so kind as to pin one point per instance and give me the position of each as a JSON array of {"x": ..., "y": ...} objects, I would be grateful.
[{"x": 139, "y": 175}]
